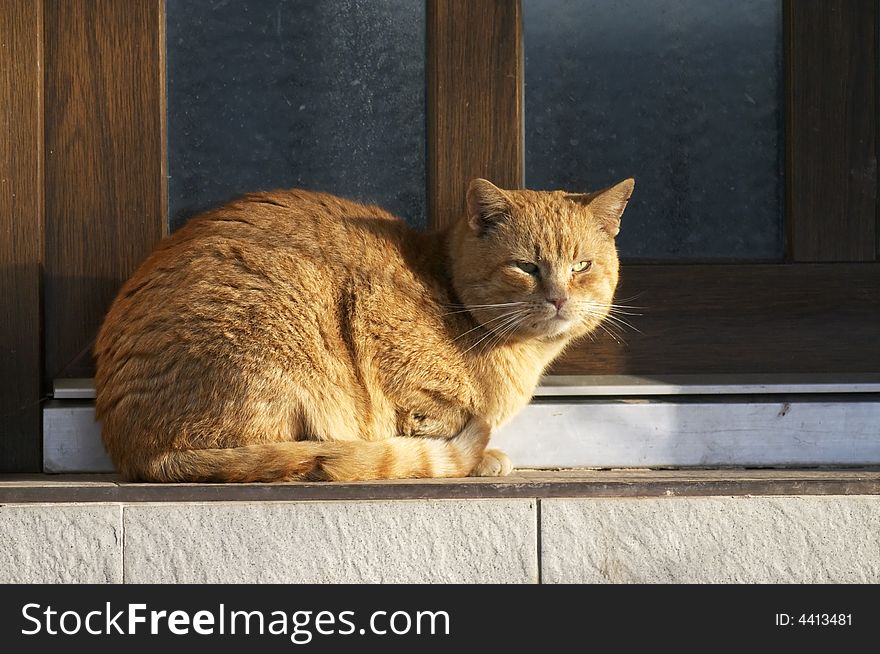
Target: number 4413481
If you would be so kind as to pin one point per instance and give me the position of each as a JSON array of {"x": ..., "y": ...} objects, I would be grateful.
[{"x": 814, "y": 619}]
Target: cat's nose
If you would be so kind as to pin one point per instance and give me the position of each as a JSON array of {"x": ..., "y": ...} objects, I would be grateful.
[{"x": 557, "y": 301}]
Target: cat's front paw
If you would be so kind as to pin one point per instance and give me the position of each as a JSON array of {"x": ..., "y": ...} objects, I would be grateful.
[{"x": 495, "y": 463}]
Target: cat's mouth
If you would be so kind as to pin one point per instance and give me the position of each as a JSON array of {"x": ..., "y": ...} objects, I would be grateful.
[{"x": 556, "y": 325}]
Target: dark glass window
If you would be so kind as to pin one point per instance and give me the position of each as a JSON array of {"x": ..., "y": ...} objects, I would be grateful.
[
  {"x": 683, "y": 95},
  {"x": 325, "y": 94}
]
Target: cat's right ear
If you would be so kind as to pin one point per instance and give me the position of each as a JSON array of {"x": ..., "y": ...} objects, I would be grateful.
[{"x": 487, "y": 205}]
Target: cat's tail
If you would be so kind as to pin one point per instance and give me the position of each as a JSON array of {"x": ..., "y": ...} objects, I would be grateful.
[{"x": 392, "y": 458}]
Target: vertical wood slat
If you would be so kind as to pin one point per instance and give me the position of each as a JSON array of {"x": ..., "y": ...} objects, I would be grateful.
[
  {"x": 475, "y": 107},
  {"x": 105, "y": 163},
  {"x": 831, "y": 71},
  {"x": 21, "y": 233}
]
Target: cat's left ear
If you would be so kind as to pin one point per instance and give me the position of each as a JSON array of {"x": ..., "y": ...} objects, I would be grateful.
[
  {"x": 487, "y": 205},
  {"x": 607, "y": 206}
]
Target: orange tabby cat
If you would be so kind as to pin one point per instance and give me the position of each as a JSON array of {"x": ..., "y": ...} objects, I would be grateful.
[{"x": 299, "y": 336}]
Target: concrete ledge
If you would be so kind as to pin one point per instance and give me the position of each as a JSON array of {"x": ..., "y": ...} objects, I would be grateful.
[
  {"x": 60, "y": 543},
  {"x": 488, "y": 541},
  {"x": 801, "y": 539},
  {"x": 523, "y": 484},
  {"x": 711, "y": 540}
]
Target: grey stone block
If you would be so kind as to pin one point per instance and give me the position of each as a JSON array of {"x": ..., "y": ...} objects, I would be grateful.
[
  {"x": 72, "y": 439},
  {"x": 60, "y": 543},
  {"x": 806, "y": 539},
  {"x": 474, "y": 541}
]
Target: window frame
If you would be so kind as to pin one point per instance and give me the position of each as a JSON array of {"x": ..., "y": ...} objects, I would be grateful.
[{"x": 703, "y": 318}]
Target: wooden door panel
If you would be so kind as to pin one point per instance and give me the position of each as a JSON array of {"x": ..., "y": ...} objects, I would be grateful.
[
  {"x": 21, "y": 233},
  {"x": 832, "y": 109},
  {"x": 475, "y": 109},
  {"x": 766, "y": 318},
  {"x": 105, "y": 163}
]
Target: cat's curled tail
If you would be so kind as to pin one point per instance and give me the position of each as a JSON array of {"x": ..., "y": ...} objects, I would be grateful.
[{"x": 392, "y": 458}]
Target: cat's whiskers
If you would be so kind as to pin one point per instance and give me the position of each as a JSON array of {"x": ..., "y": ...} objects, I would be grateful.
[
  {"x": 503, "y": 333},
  {"x": 631, "y": 298},
  {"x": 465, "y": 308},
  {"x": 490, "y": 304},
  {"x": 452, "y": 313},
  {"x": 511, "y": 318},
  {"x": 611, "y": 333},
  {"x": 609, "y": 313},
  {"x": 620, "y": 308},
  {"x": 479, "y": 325},
  {"x": 607, "y": 319},
  {"x": 616, "y": 309},
  {"x": 611, "y": 318},
  {"x": 608, "y": 328}
]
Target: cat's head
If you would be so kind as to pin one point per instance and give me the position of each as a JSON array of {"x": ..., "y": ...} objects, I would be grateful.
[{"x": 538, "y": 264}]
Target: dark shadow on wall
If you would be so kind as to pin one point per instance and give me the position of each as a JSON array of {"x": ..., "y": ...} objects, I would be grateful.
[
  {"x": 21, "y": 396},
  {"x": 75, "y": 307}
]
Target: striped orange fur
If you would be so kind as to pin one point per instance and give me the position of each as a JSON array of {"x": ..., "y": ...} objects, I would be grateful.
[{"x": 295, "y": 335}]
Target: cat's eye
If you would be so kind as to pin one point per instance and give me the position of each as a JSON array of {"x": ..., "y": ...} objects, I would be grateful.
[
  {"x": 528, "y": 267},
  {"x": 582, "y": 266}
]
